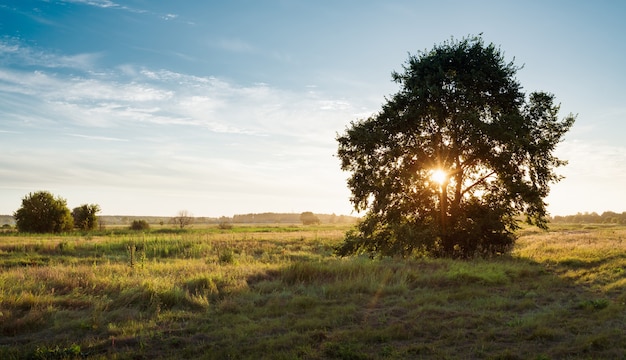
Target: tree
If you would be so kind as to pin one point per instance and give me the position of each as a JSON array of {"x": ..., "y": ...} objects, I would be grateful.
[
  {"x": 453, "y": 158},
  {"x": 308, "y": 218},
  {"x": 183, "y": 219},
  {"x": 41, "y": 212},
  {"x": 85, "y": 217}
]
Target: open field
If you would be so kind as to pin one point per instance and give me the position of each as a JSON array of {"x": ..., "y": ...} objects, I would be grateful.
[{"x": 279, "y": 293}]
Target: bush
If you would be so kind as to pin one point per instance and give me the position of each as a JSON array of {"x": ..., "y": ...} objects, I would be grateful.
[
  {"x": 308, "y": 218},
  {"x": 41, "y": 212},
  {"x": 85, "y": 217},
  {"x": 139, "y": 225},
  {"x": 224, "y": 225}
]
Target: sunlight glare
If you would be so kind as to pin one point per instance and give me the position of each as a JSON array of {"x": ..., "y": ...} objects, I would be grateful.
[{"x": 439, "y": 176}]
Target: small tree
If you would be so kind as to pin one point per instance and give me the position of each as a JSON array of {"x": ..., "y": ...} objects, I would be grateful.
[
  {"x": 85, "y": 217},
  {"x": 183, "y": 218},
  {"x": 41, "y": 212},
  {"x": 308, "y": 218}
]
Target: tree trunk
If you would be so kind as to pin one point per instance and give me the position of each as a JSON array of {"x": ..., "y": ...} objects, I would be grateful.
[{"x": 446, "y": 239}]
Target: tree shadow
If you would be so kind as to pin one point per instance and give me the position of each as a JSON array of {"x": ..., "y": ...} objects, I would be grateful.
[{"x": 514, "y": 307}]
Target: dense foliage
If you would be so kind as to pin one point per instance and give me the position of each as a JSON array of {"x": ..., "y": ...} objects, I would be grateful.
[
  {"x": 139, "y": 225},
  {"x": 453, "y": 158},
  {"x": 41, "y": 212},
  {"x": 85, "y": 216}
]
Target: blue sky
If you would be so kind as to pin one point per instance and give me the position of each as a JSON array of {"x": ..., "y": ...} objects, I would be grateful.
[{"x": 222, "y": 108}]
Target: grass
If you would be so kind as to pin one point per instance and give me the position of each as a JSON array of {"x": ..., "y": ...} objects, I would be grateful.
[{"x": 277, "y": 292}]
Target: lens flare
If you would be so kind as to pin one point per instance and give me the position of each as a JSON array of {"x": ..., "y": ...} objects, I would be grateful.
[{"x": 439, "y": 176}]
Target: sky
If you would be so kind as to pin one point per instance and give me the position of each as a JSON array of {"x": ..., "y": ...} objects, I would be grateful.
[{"x": 150, "y": 107}]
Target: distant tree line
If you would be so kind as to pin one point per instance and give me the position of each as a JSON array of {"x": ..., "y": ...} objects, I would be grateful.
[
  {"x": 42, "y": 212},
  {"x": 607, "y": 217},
  {"x": 292, "y": 218}
]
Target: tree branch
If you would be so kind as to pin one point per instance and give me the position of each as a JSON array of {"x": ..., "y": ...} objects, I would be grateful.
[{"x": 482, "y": 179}]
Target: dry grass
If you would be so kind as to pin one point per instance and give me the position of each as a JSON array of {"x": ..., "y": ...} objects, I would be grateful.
[{"x": 278, "y": 292}]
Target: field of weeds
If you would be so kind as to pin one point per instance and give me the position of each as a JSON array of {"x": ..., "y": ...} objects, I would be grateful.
[{"x": 279, "y": 293}]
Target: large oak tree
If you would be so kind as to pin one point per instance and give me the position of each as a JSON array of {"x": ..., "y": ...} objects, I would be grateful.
[{"x": 453, "y": 158}]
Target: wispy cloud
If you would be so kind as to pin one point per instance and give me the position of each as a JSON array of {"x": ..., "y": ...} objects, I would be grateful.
[
  {"x": 235, "y": 45},
  {"x": 98, "y": 3},
  {"x": 161, "y": 128},
  {"x": 108, "y": 4},
  {"x": 14, "y": 53},
  {"x": 99, "y": 138},
  {"x": 593, "y": 160},
  {"x": 119, "y": 97},
  {"x": 105, "y": 4}
]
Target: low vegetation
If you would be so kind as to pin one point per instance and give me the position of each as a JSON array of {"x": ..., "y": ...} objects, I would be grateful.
[{"x": 279, "y": 292}]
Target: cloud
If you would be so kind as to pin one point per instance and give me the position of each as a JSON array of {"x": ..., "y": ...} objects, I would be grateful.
[
  {"x": 128, "y": 94},
  {"x": 164, "y": 132},
  {"x": 594, "y": 161},
  {"x": 235, "y": 45},
  {"x": 164, "y": 97},
  {"x": 97, "y": 3},
  {"x": 13, "y": 53},
  {"x": 99, "y": 138},
  {"x": 169, "y": 17},
  {"x": 104, "y": 4},
  {"x": 108, "y": 4}
]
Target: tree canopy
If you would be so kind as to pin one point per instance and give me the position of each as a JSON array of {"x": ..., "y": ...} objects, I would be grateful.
[
  {"x": 85, "y": 216},
  {"x": 41, "y": 212},
  {"x": 453, "y": 157}
]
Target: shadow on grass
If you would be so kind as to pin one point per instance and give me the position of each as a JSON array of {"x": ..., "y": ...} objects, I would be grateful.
[{"x": 355, "y": 308}]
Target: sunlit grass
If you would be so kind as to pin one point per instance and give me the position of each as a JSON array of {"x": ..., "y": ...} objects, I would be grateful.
[
  {"x": 595, "y": 257},
  {"x": 280, "y": 293}
]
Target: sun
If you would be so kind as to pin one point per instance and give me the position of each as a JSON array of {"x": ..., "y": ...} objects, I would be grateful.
[{"x": 439, "y": 176}]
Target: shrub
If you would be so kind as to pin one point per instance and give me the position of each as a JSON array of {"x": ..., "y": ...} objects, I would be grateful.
[
  {"x": 225, "y": 225},
  {"x": 308, "y": 218},
  {"x": 139, "y": 225}
]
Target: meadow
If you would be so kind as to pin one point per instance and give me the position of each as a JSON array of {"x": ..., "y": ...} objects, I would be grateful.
[{"x": 278, "y": 292}]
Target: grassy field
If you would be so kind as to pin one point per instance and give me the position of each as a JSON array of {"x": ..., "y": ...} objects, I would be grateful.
[{"x": 279, "y": 293}]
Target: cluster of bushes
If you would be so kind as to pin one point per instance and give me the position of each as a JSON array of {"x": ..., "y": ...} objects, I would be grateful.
[{"x": 41, "y": 212}]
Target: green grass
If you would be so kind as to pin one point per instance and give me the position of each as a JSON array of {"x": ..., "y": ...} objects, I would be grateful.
[{"x": 278, "y": 293}]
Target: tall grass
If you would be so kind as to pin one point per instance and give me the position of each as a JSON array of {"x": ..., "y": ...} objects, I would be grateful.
[{"x": 280, "y": 293}]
